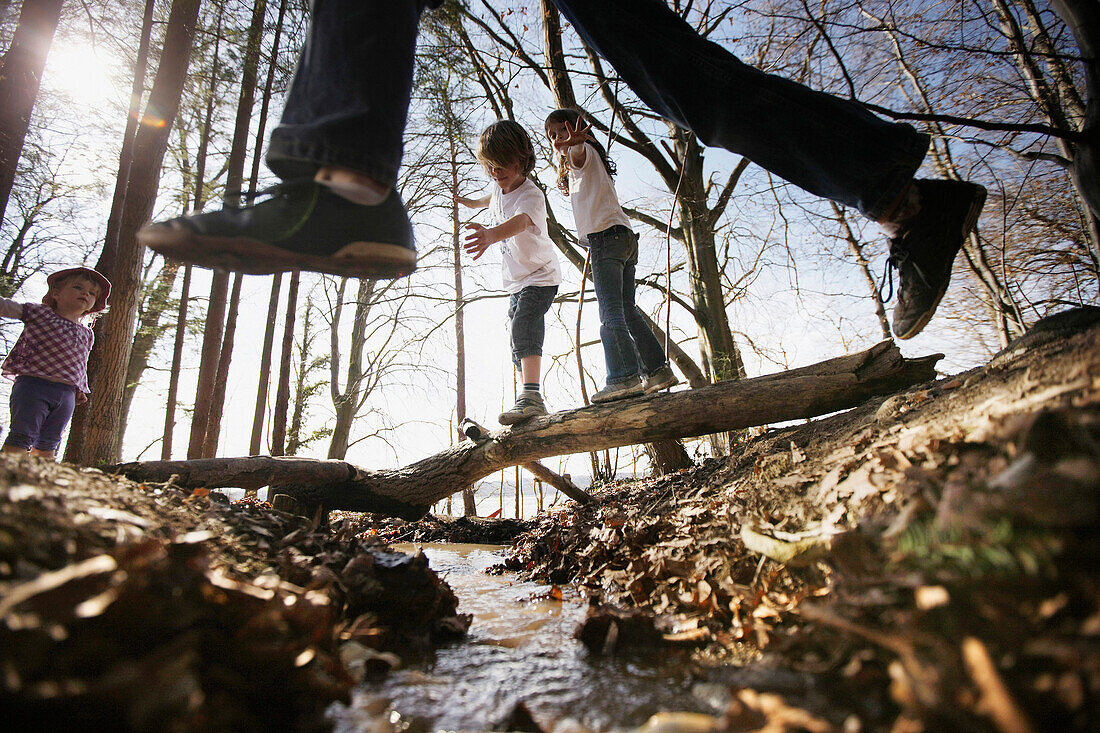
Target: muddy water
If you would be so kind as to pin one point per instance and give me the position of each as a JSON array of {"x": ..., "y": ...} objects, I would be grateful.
[{"x": 520, "y": 647}]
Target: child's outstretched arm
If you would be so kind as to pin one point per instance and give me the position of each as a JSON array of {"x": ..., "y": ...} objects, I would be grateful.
[
  {"x": 10, "y": 309},
  {"x": 571, "y": 144},
  {"x": 482, "y": 237},
  {"x": 480, "y": 203}
]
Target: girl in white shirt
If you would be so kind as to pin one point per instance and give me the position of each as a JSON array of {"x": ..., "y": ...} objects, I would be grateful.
[
  {"x": 529, "y": 259},
  {"x": 635, "y": 359}
]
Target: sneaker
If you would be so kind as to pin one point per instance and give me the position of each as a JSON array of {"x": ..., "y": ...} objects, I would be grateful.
[
  {"x": 663, "y": 378},
  {"x": 925, "y": 250},
  {"x": 529, "y": 404},
  {"x": 303, "y": 225},
  {"x": 619, "y": 391}
]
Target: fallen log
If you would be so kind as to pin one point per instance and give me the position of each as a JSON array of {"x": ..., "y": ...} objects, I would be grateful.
[{"x": 409, "y": 492}]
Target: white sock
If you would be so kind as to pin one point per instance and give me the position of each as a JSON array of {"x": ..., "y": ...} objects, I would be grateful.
[{"x": 356, "y": 193}]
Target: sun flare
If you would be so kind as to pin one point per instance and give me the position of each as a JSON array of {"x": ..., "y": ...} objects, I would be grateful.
[{"x": 82, "y": 72}]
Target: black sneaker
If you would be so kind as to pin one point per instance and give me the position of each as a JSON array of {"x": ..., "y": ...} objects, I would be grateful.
[
  {"x": 925, "y": 250},
  {"x": 303, "y": 225},
  {"x": 528, "y": 404}
]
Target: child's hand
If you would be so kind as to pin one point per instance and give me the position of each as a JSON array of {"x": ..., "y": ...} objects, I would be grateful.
[
  {"x": 81, "y": 398},
  {"x": 573, "y": 136},
  {"x": 477, "y": 242}
]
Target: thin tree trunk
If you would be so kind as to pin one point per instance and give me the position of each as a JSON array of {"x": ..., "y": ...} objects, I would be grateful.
[
  {"x": 114, "y": 332},
  {"x": 297, "y": 416},
  {"x": 282, "y": 389},
  {"x": 208, "y": 362},
  {"x": 20, "y": 77},
  {"x": 137, "y": 90},
  {"x": 264, "y": 382},
  {"x": 346, "y": 403},
  {"x": 221, "y": 378},
  {"x": 148, "y": 333},
  {"x": 177, "y": 365}
]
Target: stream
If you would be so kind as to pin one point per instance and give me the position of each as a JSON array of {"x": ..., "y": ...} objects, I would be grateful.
[{"x": 520, "y": 647}]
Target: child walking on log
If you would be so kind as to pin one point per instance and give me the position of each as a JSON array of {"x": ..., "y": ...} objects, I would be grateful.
[
  {"x": 49, "y": 361},
  {"x": 636, "y": 362},
  {"x": 529, "y": 260}
]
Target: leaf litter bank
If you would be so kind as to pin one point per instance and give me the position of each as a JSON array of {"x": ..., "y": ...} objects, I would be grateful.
[{"x": 921, "y": 563}]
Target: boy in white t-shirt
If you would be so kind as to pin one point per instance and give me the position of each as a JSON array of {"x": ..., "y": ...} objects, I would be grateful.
[{"x": 529, "y": 259}]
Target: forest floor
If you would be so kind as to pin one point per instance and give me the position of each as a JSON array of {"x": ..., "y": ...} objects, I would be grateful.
[{"x": 925, "y": 562}]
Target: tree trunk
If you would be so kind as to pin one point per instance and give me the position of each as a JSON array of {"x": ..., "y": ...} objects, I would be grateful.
[
  {"x": 282, "y": 389},
  {"x": 346, "y": 403},
  {"x": 1082, "y": 17},
  {"x": 20, "y": 77},
  {"x": 221, "y": 377},
  {"x": 148, "y": 333},
  {"x": 114, "y": 333},
  {"x": 560, "y": 84},
  {"x": 276, "y": 283},
  {"x": 409, "y": 492},
  {"x": 177, "y": 364},
  {"x": 264, "y": 382},
  {"x": 208, "y": 362},
  {"x": 126, "y": 156}
]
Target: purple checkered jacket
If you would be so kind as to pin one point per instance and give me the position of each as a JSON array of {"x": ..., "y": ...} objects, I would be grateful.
[{"x": 50, "y": 346}]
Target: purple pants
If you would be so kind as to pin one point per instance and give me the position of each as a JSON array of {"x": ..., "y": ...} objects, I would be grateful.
[{"x": 40, "y": 412}]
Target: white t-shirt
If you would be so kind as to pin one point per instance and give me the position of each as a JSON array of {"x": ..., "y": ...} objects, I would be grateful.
[
  {"x": 592, "y": 193},
  {"x": 530, "y": 257}
]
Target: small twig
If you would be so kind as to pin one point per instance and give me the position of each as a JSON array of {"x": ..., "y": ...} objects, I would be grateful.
[{"x": 996, "y": 701}]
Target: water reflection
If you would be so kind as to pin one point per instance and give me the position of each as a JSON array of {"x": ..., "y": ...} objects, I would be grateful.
[{"x": 520, "y": 647}]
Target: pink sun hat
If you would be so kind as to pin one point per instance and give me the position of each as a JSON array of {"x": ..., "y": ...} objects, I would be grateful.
[{"x": 104, "y": 284}]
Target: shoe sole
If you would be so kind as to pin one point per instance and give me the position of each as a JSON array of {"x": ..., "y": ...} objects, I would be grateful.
[
  {"x": 616, "y": 398},
  {"x": 506, "y": 419},
  {"x": 659, "y": 387},
  {"x": 367, "y": 260},
  {"x": 969, "y": 223}
]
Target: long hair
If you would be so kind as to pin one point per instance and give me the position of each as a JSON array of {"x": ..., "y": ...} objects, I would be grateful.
[
  {"x": 506, "y": 142},
  {"x": 574, "y": 117}
]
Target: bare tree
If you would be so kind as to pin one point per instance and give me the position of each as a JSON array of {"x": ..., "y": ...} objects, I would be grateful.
[{"x": 114, "y": 332}]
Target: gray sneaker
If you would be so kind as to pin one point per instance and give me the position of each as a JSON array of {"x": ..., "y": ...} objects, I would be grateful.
[
  {"x": 620, "y": 391},
  {"x": 663, "y": 378},
  {"x": 528, "y": 404}
]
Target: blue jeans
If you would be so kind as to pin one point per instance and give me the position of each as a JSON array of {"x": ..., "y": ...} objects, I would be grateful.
[
  {"x": 527, "y": 319},
  {"x": 629, "y": 348},
  {"x": 40, "y": 412},
  {"x": 349, "y": 98},
  {"x": 823, "y": 144}
]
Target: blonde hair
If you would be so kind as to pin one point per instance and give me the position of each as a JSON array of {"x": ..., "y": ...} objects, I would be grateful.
[{"x": 503, "y": 143}]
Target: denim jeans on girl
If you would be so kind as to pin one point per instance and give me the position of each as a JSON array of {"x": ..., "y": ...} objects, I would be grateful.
[
  {"x": 630, "y": 349},
  {"x": 40, "y": 412},
  {"x": 527, "y": 319}
]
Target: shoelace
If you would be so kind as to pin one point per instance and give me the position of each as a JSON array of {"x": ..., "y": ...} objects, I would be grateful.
[
  {"x": 282, "y": 188},
  {"x": 898, "y": 256}
]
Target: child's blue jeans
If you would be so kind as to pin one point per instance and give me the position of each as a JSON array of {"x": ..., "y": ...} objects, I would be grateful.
[
  {"x": 527, "y": 319},
  {"x": 40, "y": 412},
  {"x": 629, "y": 347},
  {"x": 350, "y": 96}
]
